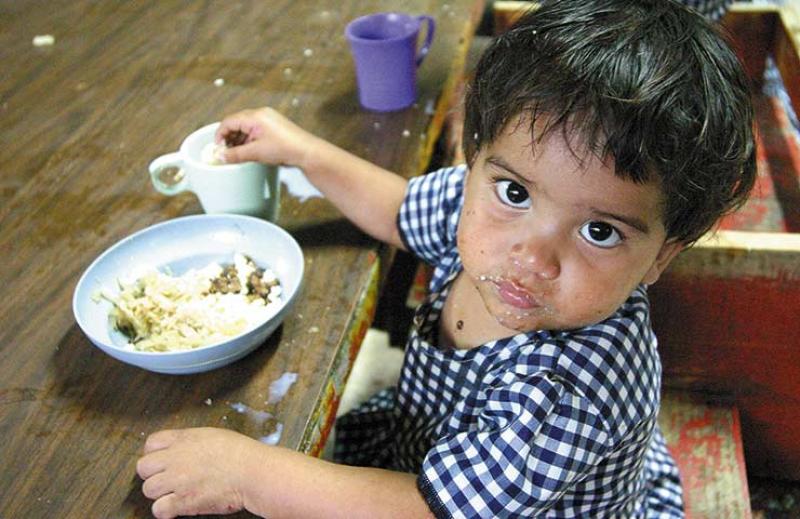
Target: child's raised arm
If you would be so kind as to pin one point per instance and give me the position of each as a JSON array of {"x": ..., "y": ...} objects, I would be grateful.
[{"x": 367, "y": 194}]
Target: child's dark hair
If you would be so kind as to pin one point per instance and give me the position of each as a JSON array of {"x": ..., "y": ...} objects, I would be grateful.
[{"x": 646, "y": 82}]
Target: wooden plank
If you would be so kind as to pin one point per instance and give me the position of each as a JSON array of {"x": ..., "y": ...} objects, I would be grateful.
[
  {"x": 705, "y": 440},
  {"x": 505, "y": 13},
  {"x": 738, "y": 254},
  {"x": 323, "y": 417},
  {"x": 725, "y": 313},
  {"x": 758, "y": 30},
  {"x": 787, "y": 56},
  {"x": 752, "y": 33}
]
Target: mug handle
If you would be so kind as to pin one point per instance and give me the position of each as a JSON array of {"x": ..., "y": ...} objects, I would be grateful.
[
  {"x": 170, "y": 160},
  {"x": 423, "y": 51}
]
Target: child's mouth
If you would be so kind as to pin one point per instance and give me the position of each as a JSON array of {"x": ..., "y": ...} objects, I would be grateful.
[{"x": 514, "y": 295}]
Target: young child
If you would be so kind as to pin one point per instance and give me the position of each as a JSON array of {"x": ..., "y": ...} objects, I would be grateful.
[{"x": 602, "y": 137}]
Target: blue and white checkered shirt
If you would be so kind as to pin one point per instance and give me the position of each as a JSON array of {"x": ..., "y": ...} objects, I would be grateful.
[{"x": 541, "y": 424}]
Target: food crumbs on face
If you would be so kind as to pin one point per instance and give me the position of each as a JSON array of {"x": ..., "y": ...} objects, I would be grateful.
[{"x": 160, "y": 312}]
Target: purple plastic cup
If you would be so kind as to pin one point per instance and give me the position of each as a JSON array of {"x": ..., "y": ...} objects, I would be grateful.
[{"x": 384, "y": 47}]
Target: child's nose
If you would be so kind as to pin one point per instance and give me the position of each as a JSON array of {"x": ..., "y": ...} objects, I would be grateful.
[{"x": 537, "y": 257}]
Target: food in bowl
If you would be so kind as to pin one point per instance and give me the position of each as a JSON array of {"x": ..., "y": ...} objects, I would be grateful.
[{"x": 162, "y": 312}]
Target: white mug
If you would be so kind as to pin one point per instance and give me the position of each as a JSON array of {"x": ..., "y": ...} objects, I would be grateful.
[{"x": 249, "y": 188}]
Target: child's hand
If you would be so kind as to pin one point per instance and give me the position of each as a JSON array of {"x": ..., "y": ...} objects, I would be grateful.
[
  {"x": 263, "y": 135},
  {"x": 198, "y": 471}
]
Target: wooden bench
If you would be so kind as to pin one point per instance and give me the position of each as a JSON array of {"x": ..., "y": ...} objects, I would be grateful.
[{"x": 704, "y": 437}]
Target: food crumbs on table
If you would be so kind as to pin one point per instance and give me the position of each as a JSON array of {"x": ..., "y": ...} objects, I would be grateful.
[
  {"x": 279, "y": 388},
  {"x": 43, "y": 40},
  {"x": 257, "y": 416},
  {"x": 274, "y": 437}
]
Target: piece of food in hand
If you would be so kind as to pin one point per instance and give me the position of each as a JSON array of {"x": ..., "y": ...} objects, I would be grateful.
[
  {"x": 235, "y": 138},
  {"x": 213, "y": 154}
]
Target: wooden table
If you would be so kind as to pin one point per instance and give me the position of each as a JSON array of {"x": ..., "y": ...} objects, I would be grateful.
[{"x": 79, "y": 122}]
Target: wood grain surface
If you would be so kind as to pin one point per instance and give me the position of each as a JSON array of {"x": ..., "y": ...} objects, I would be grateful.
[
  {"x": 80, "y": 120},
  {"x": 705, "y": 439}
]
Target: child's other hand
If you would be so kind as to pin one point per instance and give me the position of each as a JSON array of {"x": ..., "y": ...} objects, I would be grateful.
[
  {"x": 197, "y": 471},
  {"x": 263, "y": 135}
]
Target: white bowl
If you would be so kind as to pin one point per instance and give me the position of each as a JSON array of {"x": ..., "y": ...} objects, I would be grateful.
[{"x": 181, "y": 244}]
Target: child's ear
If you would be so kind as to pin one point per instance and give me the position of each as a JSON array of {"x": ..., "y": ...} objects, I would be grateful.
[{"x": 668, "y": 251}]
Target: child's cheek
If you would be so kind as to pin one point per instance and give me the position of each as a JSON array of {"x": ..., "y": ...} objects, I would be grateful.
[{"x": 479, "y": 242}]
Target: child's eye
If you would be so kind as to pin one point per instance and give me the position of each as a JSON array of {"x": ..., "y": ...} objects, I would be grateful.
[
  {"x": 601, "y": 234},
  {"x": 512, "y": 194}
]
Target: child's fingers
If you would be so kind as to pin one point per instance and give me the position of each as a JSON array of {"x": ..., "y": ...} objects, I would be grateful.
[
  {"x": 160, "y": 440},
  {"x": 166, "y": 507},
  {"x": 190, "y": 503},
  {"x": 149, "y": 465},
  {"x": 236, "y": 129},
  {"x": 232, "y": 123},
  {"x": 244, "y": 153},
  {"x": 156, "y": 486}
]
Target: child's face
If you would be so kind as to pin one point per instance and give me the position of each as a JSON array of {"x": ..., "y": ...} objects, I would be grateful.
[{"x": 553, "y": 243}]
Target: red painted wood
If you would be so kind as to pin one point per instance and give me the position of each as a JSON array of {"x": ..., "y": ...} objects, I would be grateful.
[
  {"x": 774, "y": 204},
  {"x": 738, "y": 337},
  {"x": 704, "y": 438}
]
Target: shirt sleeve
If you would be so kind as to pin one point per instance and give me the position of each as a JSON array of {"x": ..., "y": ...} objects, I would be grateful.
[
  {"x": 534, "y": 439},
  {"x": 428, "y": 216}
]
